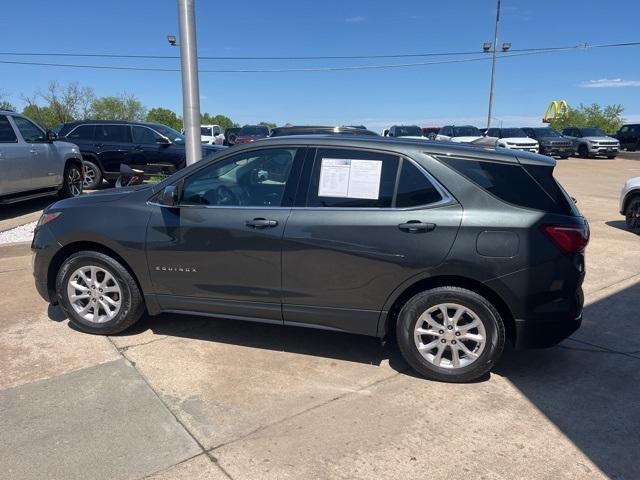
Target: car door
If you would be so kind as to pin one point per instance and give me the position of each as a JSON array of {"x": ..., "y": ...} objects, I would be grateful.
[
  {"x": 113, "y": 146},
  {"x": 15, "y": 160},
  {"x": 624, "y": 136},
  {"x": 359, "y": 235},
  {"x": 145, "y": 151},
  {"x": 219, "y": 251},
  {"x": 46, "y": 170}
]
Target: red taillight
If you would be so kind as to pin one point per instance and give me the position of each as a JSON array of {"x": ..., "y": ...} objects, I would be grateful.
[{"x": 569, "y": 238}]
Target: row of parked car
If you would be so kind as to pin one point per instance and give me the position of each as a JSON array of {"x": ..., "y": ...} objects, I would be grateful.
[{"x": 586, "y": 142}]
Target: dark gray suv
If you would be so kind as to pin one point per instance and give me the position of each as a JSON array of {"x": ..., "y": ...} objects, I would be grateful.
[{"x": 450, "y": 249}]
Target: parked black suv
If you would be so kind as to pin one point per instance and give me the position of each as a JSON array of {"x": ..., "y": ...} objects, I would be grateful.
[
  {"x": 551, "y": 142},
  {"x": 629, "y": 137},
  {"x": 106, "y": 144},
  {"x": 449, "y": 248}
]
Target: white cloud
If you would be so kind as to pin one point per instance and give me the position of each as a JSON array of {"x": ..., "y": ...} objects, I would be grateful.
[
  {"x": 610, "y": 83},
  {"x": 357, "y": 19}
]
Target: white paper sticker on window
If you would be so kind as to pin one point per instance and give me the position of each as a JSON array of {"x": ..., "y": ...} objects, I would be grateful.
[{"x": 347, "y": 178}]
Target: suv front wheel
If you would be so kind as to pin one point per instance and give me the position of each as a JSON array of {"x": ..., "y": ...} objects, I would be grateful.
[
  {"x": 450, "y": 334},
  {"x": 98, "y": 294},
  {"x": 92, "y": 175}
]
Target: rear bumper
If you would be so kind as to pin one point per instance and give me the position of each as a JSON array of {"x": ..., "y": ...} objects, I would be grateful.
[{"x": 543, "y": 334}]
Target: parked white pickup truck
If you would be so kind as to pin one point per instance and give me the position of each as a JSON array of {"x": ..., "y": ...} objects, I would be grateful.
[
  {"x": 513, "y": 138},
  {"x": 211, "y": 135},
  {"x": 459, "y": 134}
]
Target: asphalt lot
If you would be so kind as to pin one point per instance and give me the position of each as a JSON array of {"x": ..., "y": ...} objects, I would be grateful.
[{"x": 190, "y": 398}]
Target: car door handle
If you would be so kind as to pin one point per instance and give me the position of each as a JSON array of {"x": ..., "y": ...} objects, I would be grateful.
[
  {"x": 99, "y": 145},
  {"x": 34, "y": 151},
  {"x": 416, "y": 226},
  {"x": 261, "y": 223}
]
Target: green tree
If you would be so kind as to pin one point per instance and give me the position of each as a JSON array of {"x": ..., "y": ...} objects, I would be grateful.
[
  {"x": 123, "y": 107},
  {"x": 5, "y": 104},
  {"x": 269, "y": 125},
  {"x": 608, "y": 118},
  {"x": 222, "y": 120},
  {"x": 45, "y": 116},
  {"x": 165, "y": 116}
]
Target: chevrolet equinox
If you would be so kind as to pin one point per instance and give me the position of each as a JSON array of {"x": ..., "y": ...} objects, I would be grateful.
[{"x": 451, "y": 249}]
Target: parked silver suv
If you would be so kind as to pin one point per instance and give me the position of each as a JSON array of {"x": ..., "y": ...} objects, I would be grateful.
[
  {"x": 591, "y": 142},
  {"x": 33, "y": 164}
]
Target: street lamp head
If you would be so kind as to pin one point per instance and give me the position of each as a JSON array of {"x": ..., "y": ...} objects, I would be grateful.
[
  {"x": 486, "y": 47},
  {"x": 172, "y": 40},
  {"x": 506, "y": 46}
]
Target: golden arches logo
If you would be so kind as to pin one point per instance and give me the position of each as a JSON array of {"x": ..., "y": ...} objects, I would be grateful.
[{"x": 555, "y": 110}]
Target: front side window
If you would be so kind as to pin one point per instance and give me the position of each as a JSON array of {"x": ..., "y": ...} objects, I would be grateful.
[
  {"x": 113, "y": 133},
  {"x": 29, "y": 131},
  {"x": 7, "y": 135},
  {"x": 414, "y": 188},
  {"x": 205, "y": 131},
  {"x": 352, "y": 179},
  {"x": 144, "y": 136},
  {"x": 252, "y": 179},
  {"x": 83, "y": 132},
  {"x": 408, "y": 131}
]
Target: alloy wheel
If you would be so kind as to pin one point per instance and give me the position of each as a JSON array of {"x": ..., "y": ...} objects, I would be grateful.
[
  {"x": 633, "y": 215},
  {"x": 450, "y": 335},
  {"x": 94, "y": 294},
  {"x": 89, "y": 175},
  {"x": 75, "y": 182}
]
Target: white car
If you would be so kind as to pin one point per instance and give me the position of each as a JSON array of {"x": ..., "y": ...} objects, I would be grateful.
[
  {"x": 404, "y": 131},
  {"x": 211, "y": 135},
  {"x": 459, "y": 134},
  {"x": 513, "y": 138},
  {"x": 630, "y": 204}
]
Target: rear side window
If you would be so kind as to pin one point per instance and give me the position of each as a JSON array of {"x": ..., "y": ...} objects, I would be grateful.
[
  {"x": 414, "y": 188},
  {"x": 544, "y": 176},
  {"x": 509, "y": 182},
  {"x": 83, "y": 132},
  {"x": 345, "y": 178},
  {"x": 113, "y": 133},
  {"x": 7, "y": 135}
]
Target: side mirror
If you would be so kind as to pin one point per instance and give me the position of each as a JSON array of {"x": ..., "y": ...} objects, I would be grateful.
[
  {"x": 51, "y": 136},
  {"x": 163, "y": 141},
  {"x": 169, "y": 196}
]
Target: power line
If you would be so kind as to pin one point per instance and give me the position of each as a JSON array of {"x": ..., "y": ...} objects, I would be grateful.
[
  {"x": 312, "y": 57},
  {"x": 528, "y": 52}
]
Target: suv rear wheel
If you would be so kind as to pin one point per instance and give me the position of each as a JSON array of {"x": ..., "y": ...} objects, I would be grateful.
[
  {"x": 632, "y": 214},
  {"x": 98, "y": 294},
  {"x": 92, "y": 175},
  {"x": 450, "y": 334},
  {"x": 583, "y": 151}
]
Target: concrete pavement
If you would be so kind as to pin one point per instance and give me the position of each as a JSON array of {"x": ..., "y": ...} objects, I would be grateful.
[{"x": 188, "y": 397}]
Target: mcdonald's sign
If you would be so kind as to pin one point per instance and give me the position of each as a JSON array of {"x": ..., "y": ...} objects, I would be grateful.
[{"x": 555, "y": 110}]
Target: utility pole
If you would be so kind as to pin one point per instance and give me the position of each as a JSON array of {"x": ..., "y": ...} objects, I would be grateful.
[
  {"x": 190, "y": 88},
  {"x": 493, "y": 65}
]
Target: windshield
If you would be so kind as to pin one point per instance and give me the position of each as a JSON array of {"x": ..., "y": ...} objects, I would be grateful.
[
  {"x": 513, "y": 132},
  {"x": 592, "y": 132},
  {"x": 410, "y": 131},
  {"x": 251, "y": 131},
  {"x": 466, "y": 132},
  {"x": 206, "y": 131},
  {"x": 545, "y": 132},
  {"x": 170, "y": 133}
]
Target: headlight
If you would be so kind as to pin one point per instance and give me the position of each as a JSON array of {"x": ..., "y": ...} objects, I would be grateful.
[{"x": 47, "y": 217}]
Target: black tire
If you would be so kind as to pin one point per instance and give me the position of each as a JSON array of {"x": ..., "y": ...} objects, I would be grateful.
[
  {"x": 72, "y": 183},
  {"x": 632, "y": 214},
  {"x": 564, "y": 157},
  {"x": 611, "y": 157},
  {"x": 583, "y": 151},
  {"x": 485, "y": 313},
  {"x": 131, "y": 301},
  {"x": 92, "y": 175}
]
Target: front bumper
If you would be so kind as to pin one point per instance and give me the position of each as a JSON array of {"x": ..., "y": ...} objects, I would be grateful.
[
  {"x": 553, "y": 150},
  {"x": 604, "y": 150}
]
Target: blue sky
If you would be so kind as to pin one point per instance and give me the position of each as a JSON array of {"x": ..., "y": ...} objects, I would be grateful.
[{"x": 426, "y": 95}]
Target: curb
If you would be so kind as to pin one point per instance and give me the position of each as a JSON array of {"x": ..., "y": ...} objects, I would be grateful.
[{"x": 19, "y": 249}]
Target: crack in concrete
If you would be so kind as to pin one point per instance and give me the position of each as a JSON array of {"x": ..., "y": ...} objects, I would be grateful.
[{"x": 632, "y": 354}]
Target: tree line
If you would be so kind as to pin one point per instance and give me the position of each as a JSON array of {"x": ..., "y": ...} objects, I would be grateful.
[{"x": 67, "y": 103}]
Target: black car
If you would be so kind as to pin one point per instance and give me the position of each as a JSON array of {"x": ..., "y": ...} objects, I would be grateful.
[
  {"x": 551, "y": 142},
  {"x": 404, "y": 131},
  {"x": 105, "y": 145},
  {"x": 451, "y": 249},
  {"x": 320, "y": 130},
  {"x": 629, "y": 137}
]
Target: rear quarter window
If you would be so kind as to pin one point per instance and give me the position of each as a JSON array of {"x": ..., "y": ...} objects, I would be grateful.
[{"x": 512, "y": 183}]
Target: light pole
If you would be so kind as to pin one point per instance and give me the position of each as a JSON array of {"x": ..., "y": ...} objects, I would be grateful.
[
  {"x": 488, "y": 48},
  {"x": 190, "y": 88}
]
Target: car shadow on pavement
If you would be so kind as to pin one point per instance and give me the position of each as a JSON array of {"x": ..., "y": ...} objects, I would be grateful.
[
  {"x": 589, "y": 385},
  {"x": 25, "y": 207},
  {"x": 620, "y": 225}
]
